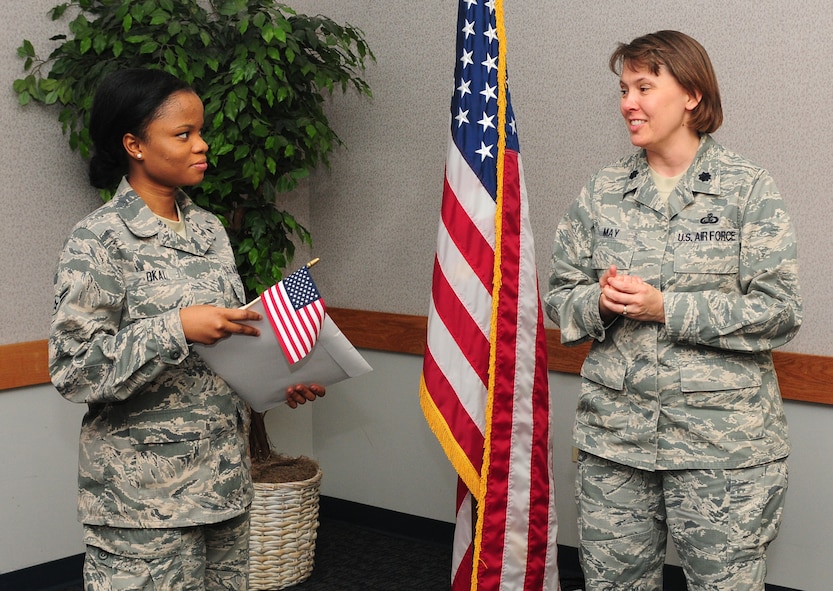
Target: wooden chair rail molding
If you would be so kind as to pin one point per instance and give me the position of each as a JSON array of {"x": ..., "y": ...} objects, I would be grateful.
[{"x": 807, "y": 378}]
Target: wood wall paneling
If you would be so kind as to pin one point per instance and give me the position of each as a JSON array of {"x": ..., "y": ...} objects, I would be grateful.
[
  {"x": 23, "y": 364},
  {"x": 807, "y": 378}
]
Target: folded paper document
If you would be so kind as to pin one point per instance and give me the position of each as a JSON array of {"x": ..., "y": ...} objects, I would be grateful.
[{"x": 257, "y": 369}]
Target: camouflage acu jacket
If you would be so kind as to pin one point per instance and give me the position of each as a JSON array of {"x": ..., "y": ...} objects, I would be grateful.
[
  {"x": 163, "y": 441},
  {"x": 699, "y": 391}
]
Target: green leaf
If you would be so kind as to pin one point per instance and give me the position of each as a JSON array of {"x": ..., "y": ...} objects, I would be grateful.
[
  {"x": 241, "y": 152},
  {"x": 58, "y": 11},
  {"x": 279, "y": 34},
  {"x": 26, "y": 50},
  {"x": 222, "y": 149},
  {"x": 232, "y": 107},
  {"x": 159, "y": 17},
  {"x": 148, "y": 47},
  {"x": 245, "y": 246}
]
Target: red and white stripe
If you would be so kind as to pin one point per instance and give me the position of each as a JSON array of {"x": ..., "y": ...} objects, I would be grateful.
[
  {"x": 501, "y": 452},
  {"x": 296, "y": 330}
]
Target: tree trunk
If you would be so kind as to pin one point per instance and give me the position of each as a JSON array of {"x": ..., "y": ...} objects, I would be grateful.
[{"x": 259, "y": 446}]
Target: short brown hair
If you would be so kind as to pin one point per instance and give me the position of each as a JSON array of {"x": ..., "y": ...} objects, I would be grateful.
[{"x": 686, "y": 60}]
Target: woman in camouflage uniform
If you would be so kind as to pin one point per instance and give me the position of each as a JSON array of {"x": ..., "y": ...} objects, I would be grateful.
[
  {"x": 164, "y": 483},
  {"x": 679, "y": 263}
]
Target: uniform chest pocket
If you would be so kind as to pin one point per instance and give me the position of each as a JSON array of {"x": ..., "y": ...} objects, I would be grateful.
[
  {"x": 713, "y": 257},
  {"x": 154, "y": 292},
  {"x": 603, "y": 404},
  {"x": 172, "y": 451},
  {"x": 612, "y": 252},
  {"x": 723, "y": 401},
  {"x": 233, "y": 286}
]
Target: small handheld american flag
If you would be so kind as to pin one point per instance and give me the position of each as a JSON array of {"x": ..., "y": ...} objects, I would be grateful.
[{"x": 296, "y": 311}]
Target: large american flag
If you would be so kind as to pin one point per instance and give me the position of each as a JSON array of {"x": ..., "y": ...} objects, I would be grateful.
[
  {"x": 484, "y": 389},
  {"x": 296, "y": 312}
]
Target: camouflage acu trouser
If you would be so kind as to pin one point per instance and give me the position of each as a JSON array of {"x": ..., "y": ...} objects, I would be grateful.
[
  {"x": 721, "y": 522},
  {"x": 203, "y": 558}
]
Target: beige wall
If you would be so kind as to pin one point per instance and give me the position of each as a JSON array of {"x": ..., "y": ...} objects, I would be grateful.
[{"x": 43, "y": 190}]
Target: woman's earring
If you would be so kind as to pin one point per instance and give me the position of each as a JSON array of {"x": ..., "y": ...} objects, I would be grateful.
[{"x": 139, "y": 155}]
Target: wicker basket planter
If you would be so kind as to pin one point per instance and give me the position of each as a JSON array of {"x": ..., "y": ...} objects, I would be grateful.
[{"x": 284, "y": 522}]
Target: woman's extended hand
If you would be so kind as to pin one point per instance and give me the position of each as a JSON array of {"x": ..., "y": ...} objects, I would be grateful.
[
  {"x": 300, "y": 393},
  {"x": 208, "y": 324}
]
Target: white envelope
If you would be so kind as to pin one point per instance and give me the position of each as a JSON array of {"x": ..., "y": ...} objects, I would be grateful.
[{"x": 257, "y": 369}]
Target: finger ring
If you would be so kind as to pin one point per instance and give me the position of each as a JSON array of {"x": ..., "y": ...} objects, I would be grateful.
[{"x": 624, "y": 310}]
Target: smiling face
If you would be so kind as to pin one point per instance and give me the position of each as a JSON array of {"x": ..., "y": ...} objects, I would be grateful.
[
  {"x": 656, "y": 109},
  {"x": 171, "y": 152}
]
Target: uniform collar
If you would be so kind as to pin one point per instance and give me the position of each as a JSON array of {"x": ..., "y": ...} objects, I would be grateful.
[
  {"x": 141, "y": 221},
  {"x": 703, "y": 176}
]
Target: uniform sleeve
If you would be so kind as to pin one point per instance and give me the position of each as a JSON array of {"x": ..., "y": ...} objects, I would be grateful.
[
  {"x": 766, "y": 310},
  {"x": 572, "y": 301},
  {"x": 91, "y": 358}
]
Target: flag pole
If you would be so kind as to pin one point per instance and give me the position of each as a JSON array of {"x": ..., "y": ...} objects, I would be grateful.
[{"x": 312, "y": 262}]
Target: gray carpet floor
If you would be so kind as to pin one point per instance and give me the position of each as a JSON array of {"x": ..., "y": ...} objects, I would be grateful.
[{"x": 350, "y": 557}]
